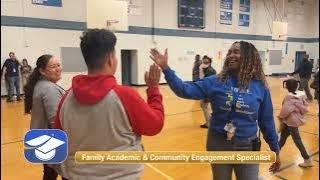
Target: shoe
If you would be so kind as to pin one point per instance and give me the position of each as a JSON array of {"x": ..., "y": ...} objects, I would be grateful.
[
  {"x": 9, "y": 100},
  {"x": 19, "y": 99},
  {"x": 203, "y": 126},
  {"x": 306, "y": 163}
]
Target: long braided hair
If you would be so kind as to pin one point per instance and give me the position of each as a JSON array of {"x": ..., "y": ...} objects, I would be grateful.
[{"x": 250, "y": 68}]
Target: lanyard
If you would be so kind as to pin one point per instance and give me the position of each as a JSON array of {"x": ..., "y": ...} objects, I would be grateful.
[{"x": 235, "y": 96}]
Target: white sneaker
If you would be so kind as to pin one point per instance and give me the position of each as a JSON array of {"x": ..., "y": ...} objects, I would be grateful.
[{"x": 306, "y": 163}]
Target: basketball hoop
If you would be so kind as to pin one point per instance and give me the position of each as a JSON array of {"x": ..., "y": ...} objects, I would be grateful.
[{"x": 111, "y": 25}]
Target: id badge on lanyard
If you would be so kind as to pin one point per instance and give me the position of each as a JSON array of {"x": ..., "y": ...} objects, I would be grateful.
[{"x": 230, "y": 126}]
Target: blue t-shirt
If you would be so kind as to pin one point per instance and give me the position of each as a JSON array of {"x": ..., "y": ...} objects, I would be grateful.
[
  {"x": 252, "y": 107},
  {"x": 12, "y": 68}
]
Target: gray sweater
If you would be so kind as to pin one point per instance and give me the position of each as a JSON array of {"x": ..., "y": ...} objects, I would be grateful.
[{"x": 46, "y": 98}]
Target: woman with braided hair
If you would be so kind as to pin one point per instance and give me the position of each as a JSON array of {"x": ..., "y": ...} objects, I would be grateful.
[{"x": 242, "y": 102}]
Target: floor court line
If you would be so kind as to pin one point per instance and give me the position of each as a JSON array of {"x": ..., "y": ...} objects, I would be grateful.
[
  {"x": 159, "y": 172},
  {"x": 309, "y": 133},
  {"x": 12, "y": 142},
  {"x": 280, "y": 177},
  {"x": 182, "y": 112},
  {"x": 288, "y": 166}
]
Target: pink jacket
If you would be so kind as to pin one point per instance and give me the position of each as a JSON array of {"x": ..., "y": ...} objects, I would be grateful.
[{"x": 293, "y": 110}]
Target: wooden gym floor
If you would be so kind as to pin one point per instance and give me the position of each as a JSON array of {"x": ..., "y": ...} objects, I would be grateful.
[{"x": 181, "y": 132}]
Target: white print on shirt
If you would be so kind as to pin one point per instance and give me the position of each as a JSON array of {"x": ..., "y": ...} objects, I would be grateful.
[{"x": 240, "y": 104}]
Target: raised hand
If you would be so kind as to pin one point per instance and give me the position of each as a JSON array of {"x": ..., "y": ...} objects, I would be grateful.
[
  {"x": 160, "y": 59},
  {"x": 152, "y": 77}
]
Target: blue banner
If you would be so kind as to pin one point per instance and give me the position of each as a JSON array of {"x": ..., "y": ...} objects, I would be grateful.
[
  {"x": 244, "y": 6},
  {"x": 225, "y": 17},
  {"x": 191, "y": 13},
  {"x": 56, "y": 3},
  {"x": 226, "y": 4},
  {"x": 244, "y": 19}
]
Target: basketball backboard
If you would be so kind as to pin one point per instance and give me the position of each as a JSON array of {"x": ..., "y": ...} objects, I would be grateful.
[
  {"x": 108, "y": 14},
  {"x": 279, "y": 31}
]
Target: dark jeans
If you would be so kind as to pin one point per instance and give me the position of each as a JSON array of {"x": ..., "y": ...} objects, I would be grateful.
[
  {"x": 294, "y": 132},
  {"x": 305, "y": 86},
  {"x": 49, "y": 173},
  {"x": 13, "y": 82},
  {"x": 219, "y": 142}
]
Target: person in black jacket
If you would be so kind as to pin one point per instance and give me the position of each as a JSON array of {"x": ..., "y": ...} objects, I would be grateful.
[
  {"x": 206, "y": 70},
  {"x": 305, "y": 71},
  {"x": 195, "y": 69}
]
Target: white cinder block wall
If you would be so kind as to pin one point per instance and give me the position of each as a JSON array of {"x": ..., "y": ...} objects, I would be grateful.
[{"x": 31, "y": 42}]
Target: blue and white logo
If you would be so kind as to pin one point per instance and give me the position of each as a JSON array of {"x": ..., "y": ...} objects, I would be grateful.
[{"x": 48, "y": 146}]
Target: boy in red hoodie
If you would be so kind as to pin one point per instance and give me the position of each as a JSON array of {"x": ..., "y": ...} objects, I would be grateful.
[{"x": 99, "y": 115}]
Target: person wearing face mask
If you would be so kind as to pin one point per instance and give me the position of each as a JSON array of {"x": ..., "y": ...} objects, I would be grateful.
[
  {"x": 42, "y": 96},
  {"x": 206, "y": 70},
  {"x": 242, "y": 102}
]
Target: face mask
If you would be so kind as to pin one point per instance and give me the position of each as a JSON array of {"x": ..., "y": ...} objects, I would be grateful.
[{"x": 205, "y": 65}]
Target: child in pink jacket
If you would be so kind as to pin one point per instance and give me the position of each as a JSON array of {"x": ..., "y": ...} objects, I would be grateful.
[{"x": 292, "y": 115}]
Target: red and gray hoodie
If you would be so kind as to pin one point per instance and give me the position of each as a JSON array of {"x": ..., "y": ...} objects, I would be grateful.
[{"x": 99, "y": 115}]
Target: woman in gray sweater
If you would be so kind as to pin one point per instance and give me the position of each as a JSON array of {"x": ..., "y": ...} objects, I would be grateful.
[{"x": 42, "y": 96}]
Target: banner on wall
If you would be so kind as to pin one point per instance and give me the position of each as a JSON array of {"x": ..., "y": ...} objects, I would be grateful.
[
  {"x": 244, "y": 6},
  {"x": 244, "y": 20},
  {"x": 134, "y": 7},
  {"x": 56, "y": 3},
  {"x": 225, "y": 17},
  {"x": 191, "y": 14},
  {"x": 226, "y": 4}
]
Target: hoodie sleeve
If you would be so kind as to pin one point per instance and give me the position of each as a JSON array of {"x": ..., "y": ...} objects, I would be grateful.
[
  {"x": 189, "y": 90},
  {"x": 266, "y": 122},
  {"x": 302, "y": 106},
  {"x": 287, "y": 108},
  {"x": 57, "y": 121},
  {"x": 145, "y": 118},
  {"x": 50, "y": 100}
]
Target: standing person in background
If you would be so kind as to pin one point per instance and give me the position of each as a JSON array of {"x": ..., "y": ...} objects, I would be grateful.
[
  {"x": 242, "y": 102},
  {"x": 316, "y": 86},
  {"x": 11, "y": 73},
  {"x": 206, "y": 70},
  {"x": 305, "y": 71},
  {"x": 4, "y": 78},
  {"x": 42, "y": 96},
  {"x": 195, "y": 69},
  {"x": 25, "y": 71}
]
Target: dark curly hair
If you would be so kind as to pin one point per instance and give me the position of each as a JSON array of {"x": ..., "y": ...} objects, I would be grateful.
[
  {"x": 95, "y": 45},
  {"x": 250, "y": 68}
]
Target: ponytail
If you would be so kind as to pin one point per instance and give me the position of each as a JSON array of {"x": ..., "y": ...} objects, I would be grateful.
[{"x": 32, "y": 81}]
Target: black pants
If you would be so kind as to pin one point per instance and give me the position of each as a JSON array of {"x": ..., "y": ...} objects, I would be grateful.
[
  {"x": 294, "y": 132},
  {"x": 305, "y": 86},
  {"x": 50, "y": 174}
]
